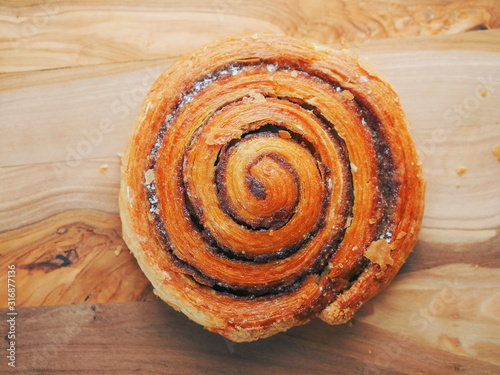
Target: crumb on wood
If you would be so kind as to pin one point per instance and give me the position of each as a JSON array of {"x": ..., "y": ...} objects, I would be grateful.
[
  {"x": 343, "y": 43},
  {"x": 104, "y": 168},
  {"x": 118, "y": 250},
  {"x": 120, "y": 154},
  {"x": 457, "y": 185},
  {"x": 461, "y": 170},
  {"x": 496, "y": 151}
]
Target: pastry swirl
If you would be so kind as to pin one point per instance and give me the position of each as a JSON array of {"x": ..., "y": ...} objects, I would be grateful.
[{"x": 268, "y": 181}]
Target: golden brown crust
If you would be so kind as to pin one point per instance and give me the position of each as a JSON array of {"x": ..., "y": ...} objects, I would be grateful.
[{"x": 260, "y": 172}]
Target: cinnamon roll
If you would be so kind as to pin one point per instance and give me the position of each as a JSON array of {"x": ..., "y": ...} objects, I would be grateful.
[{"x": 268, "y": 181}]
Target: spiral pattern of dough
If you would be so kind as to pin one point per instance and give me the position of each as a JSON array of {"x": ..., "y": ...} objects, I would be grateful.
[{"x": 268, "y": 181}]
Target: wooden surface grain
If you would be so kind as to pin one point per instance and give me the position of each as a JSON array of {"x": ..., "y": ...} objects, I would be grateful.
[
  {"x": 151, "y": 338},
  {"x": 72, "y": 33},
  {"x": 74, "y": 75}
]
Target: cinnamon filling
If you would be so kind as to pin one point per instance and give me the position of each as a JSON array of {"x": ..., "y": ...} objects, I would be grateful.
[{"x": 258, "y": 186}]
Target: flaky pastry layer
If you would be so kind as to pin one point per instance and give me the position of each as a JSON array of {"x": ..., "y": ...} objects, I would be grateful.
[{"x": 268, "y": 181}]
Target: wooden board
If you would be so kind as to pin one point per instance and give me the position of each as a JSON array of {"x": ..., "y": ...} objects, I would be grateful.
[
  {"x": 151, "y": 338},
  {"x": 74, "y": 75},
  {"x": 88, "y": 32}
]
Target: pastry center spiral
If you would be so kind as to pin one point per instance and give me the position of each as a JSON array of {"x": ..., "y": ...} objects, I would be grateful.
[{"x": 258, "y": 188}]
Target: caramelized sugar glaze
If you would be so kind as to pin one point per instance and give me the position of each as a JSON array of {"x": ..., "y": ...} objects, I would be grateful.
[{"x": 268, "y": 181}]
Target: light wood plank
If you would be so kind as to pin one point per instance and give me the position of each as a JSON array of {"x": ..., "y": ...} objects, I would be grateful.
[
  {"x": 61, "y": 34},
  {"x": 455, "y": 308},
  {"x": 151, "y": 338}
]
